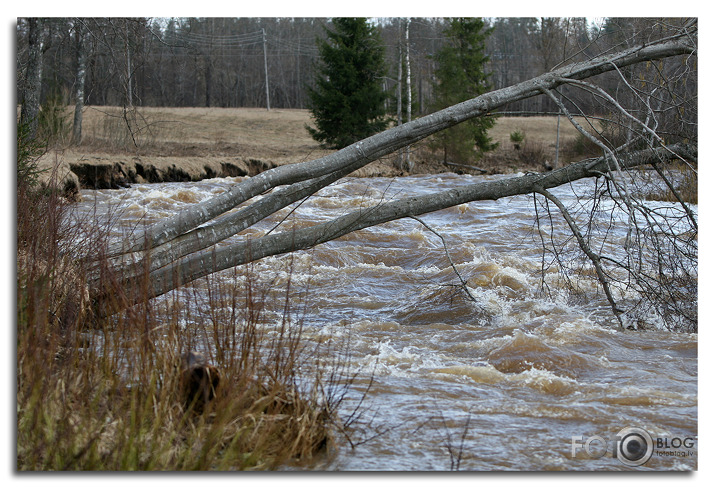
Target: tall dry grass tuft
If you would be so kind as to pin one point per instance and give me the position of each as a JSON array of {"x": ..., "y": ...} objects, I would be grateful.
[
  {"x": 126, "y": 130},
  {"x": 105, "y": 393}
]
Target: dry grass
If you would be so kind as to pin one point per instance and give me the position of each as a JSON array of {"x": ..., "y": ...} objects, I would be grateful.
[
  {"x": 536, "y": 129},
  {"x": 105, "y": 393},
  {"x": 538, "y": 148},
  {"x": 279, "y": 130},
  {"x": 279, "y": 137},
  {"x": 190, "y": 138}
]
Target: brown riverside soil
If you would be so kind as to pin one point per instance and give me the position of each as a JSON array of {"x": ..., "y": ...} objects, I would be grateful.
[{"x": 191, "y": 144}]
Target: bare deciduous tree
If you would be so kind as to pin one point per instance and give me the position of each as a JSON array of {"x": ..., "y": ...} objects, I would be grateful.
[
  {"x": 81, "y": 72},
  {"x": 180, "y": 249},
  {"x": 33, "y": 77}
]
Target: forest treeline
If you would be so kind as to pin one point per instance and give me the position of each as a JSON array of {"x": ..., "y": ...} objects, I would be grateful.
[{"x": 227, "y": 62}]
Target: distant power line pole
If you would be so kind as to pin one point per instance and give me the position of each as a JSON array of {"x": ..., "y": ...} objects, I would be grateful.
[{"x": 265, "y": 66}]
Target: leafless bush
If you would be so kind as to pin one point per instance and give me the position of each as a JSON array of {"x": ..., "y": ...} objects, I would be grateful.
[
  {"x": 533, "y": 153},
  {"x": 127, "y": 129}
]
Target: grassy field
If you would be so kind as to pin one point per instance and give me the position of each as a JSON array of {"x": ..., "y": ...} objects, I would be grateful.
[
  {"x": 279, "y": 137},
  {"x": 192, "y": 139}
]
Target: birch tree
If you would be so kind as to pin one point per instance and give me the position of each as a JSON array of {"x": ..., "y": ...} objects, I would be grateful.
[
  {"x": 180, "y": 249},
  {"x": 80, "y": 75}
]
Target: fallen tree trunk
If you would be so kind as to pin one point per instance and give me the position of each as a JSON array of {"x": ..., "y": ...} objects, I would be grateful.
[
  {"x": 175, "y": 251},
  {"x": 196, "y": 266},
  {"x": 370, "y": 149}
]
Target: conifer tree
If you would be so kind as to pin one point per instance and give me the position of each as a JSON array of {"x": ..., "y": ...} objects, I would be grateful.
[
  {"x": 461, "y": 75},
  {"x": 348, "y": 101}
]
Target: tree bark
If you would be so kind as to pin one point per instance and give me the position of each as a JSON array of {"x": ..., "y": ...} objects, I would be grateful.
[
  {"x": 408, "y": 78},
  {"x": 80, "y": 75},
  {"x": 129, "y": 90}
]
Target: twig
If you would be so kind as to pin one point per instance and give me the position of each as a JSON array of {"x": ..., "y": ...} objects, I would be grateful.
[
  {"x": 455, "y": 456},
  {"x": 475, "y": 168},
  {"x": 446, "y": 251},
  {"x": 595, "y": 258},
  {"x": 622, "y": 190}
]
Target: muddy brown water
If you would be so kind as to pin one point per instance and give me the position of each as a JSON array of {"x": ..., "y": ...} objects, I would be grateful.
[{"x": 521, "y": 379}]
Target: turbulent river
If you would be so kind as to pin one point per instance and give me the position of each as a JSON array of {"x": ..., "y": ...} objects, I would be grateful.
[{"x": 527, "y": 377}]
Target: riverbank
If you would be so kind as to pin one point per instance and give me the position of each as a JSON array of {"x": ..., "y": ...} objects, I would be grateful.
[
  {"x": 136, "y": 391},
  {"x": 157, "y": 144}
]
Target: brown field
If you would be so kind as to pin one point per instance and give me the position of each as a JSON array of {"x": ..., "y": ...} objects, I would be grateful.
[
  {"x": 277, "y": 135},
  {"x": 188, "y": 137}
]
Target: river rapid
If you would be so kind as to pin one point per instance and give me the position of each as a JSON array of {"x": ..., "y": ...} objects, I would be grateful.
[{"x": 526, "y": 376}]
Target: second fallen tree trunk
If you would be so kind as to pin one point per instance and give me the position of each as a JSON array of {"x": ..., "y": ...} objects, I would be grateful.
[{"x": 203, "y": 264}]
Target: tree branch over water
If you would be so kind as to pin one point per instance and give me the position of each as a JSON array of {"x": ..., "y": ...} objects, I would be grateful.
[
  {"x": 202, "y": 264},
  {"x": 180, "y": 249},
  {"x": 363, "y": 152}
]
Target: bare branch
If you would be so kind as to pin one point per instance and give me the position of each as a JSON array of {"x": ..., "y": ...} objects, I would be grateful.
[
  {"x": 595, "y": 258},
  {"x": 449, "y": 257}
]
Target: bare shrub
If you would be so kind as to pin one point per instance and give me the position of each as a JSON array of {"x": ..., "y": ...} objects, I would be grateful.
[
  {"x": 533, "y": 153},
  {"x": 127, "y": 130}
]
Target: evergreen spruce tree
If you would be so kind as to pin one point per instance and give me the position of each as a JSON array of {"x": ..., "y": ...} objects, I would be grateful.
[
  {"x": 348, "y": 101},
  {"x": 461, "y": 75}
]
